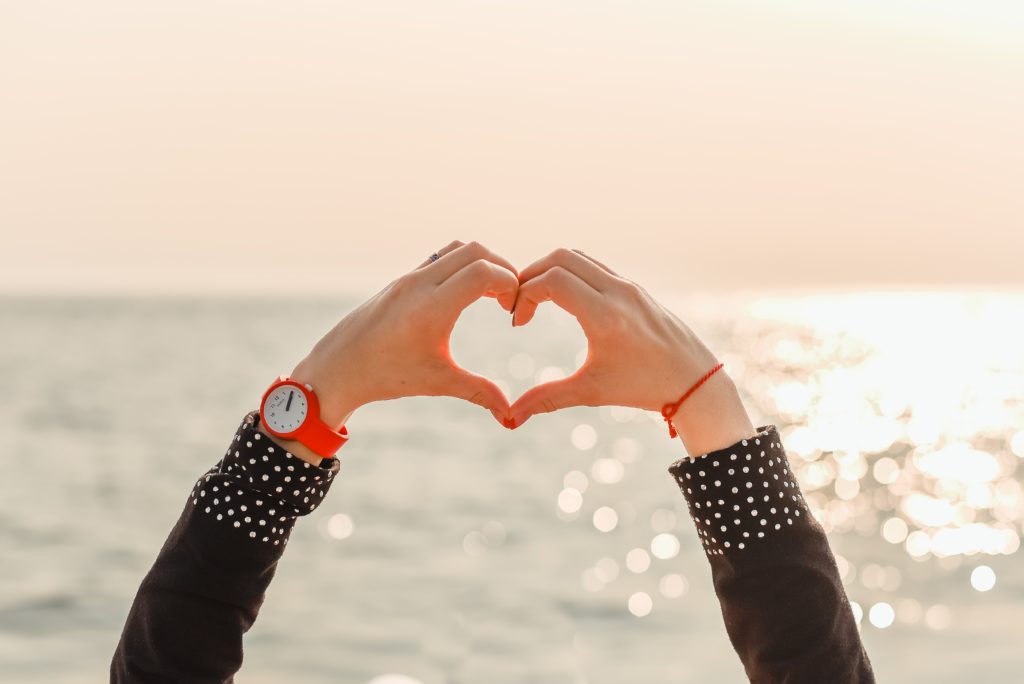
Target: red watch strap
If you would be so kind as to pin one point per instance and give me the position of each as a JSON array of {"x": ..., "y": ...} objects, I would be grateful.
[{"x": 321, "y": 439}]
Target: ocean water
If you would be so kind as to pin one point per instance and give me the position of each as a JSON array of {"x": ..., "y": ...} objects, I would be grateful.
[{"x": 451, "y": 550}]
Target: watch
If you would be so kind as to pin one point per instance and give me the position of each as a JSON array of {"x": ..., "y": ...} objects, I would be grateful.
[{"x": 291, "y": 410}]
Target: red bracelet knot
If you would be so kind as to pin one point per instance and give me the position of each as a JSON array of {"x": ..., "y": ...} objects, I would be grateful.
[{"x": 669, "y": 410}]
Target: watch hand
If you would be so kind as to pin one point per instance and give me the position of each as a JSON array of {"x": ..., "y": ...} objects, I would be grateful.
[{"x": 288, "y": 406}]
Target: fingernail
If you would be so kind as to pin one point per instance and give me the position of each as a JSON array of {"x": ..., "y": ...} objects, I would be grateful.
[{"x": 509, "y": 423}]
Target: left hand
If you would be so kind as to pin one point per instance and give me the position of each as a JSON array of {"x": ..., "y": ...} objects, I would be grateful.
[{"x": 639, "y": 353}]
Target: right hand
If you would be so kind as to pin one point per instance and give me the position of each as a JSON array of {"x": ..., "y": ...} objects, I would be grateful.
[
  {"x": 639, "y": 353},
  {"x": 397, "y": 343}
]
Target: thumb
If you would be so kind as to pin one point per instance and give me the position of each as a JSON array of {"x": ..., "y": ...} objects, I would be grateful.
[
  {"x": 547, "y": 398},
  {"x": 478, "y": 390}
]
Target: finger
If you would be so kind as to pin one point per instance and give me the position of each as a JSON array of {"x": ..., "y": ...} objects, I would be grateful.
[
  {"x": 601, "y": 264},
  {"x": 459, "y": 258},
  {"x": 592, "y": 274},
  {"x": 562, "y": 287},
  {"x": 478, "y": 390},
  {"x": 549, "y": 397},
  {"x": 480, "y": 278},
  {"x": 451, "y": 246}
]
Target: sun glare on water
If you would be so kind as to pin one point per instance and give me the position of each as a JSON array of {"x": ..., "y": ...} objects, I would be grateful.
[{"x": 903, "y": 418}]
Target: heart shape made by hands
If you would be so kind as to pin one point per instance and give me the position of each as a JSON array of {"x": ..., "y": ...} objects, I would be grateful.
[{"x": 552, "y": 346}]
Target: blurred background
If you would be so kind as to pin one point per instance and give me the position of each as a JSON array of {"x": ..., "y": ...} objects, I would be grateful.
[{"x": 828, "y": 192}]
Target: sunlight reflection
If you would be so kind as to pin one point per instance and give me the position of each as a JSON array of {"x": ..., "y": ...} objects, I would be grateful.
[
  {"x": 393, "y": 679},
  {"x": 881, "y": 615},
  {"x": 983, "y": 578},
  {"x": 584, "y": 437},
  {"x": 640, "y": 604},
  {"x": 605, "y": 519},
  {"x": 939, "y": 444},
  {"x": 638, "y": 560},
  {"x": 665, "y": 546},
  {"x": 958, "y": 462},
  {"x": 938, "y": 617},
  {"x": 340, "y": 526},
  {"x": 893, "y": 430},
  {"x": 570, "y": 500},
  {"x": 607, "y": 470},
  {"x": 673, "y": 585}
]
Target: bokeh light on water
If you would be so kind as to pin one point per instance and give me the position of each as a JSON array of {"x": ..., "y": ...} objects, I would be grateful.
[
  {"x": 451, "y": 550},
  {"x": 903, "y": 415}
]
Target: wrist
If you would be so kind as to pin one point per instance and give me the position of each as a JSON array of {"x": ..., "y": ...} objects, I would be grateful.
[
  {"x": 334, "y": 409},
  {"x": 713, "y": 417},
  {"x": 336, "y": 404}
]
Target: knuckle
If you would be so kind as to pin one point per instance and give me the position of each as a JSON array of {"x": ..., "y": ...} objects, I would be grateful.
[
  {"x": 400, "y": 284},
  {"x": 475, "y": 247},
  {"x": 631, "y": 290},
  {"x": 451, "y": 246},
  {"x": 562, "y": 254},
  {"x": 479, "y": 269},
  {"x": 558, "y": 278},
  {"x": 558, "y": 274},
  {"x": 526, "y": 296}
]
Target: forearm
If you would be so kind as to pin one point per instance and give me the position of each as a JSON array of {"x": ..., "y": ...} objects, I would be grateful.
[
  {"x": 206, "y": 586},
  {"x": 782, "y": 600}
]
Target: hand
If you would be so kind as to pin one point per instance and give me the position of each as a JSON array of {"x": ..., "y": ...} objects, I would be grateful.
[
  {"x": 397, "y": 343},
  {"x": 640, "y": 354}
]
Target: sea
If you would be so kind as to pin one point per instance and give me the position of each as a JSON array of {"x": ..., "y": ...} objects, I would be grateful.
[{"x": 454, "y": 551}]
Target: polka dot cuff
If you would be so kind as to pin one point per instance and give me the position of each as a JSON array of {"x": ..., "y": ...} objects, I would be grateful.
[
  {"x": 741, "y": 495},
  {"x": 260, "y": 489}
]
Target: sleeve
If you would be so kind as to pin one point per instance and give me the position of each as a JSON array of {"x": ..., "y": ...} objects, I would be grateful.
[
  {"x": 207, "y": 584},
  {"x": 782, "y": 600}
]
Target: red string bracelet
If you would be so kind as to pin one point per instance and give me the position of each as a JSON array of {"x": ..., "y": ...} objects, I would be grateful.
[{"x": 669, "y": 410}]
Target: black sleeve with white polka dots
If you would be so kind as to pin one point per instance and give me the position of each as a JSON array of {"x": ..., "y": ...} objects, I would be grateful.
[
  {"x": 259, "y": 489},
  {"x": 209, "y": 580},
  {"x": 740, "y": 495},
  {"x": 784, "y": 605}
]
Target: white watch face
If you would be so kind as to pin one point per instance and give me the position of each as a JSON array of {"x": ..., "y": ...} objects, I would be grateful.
[{"x": 285, "y": 409}]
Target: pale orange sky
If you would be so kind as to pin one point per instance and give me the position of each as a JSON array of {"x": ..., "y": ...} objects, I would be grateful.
[{"x": 205, "y": 146}]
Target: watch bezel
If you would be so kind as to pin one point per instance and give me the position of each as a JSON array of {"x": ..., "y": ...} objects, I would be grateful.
[{"x": 312, "y": 407}]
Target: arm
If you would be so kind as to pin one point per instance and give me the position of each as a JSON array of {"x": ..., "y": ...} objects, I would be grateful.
[
  {"x": 783, "y": 603},
  {"x": 208, "y": 582},
  {"x": 784, "y": 606}
]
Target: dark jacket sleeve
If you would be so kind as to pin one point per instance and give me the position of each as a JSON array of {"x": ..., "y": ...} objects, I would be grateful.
[
  {"x": 207, "y": 584},
  {"x": 784, "y": 606}
]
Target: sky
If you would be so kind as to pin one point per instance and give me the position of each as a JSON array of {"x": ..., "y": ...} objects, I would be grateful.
[{"x": 211, "y": 147}]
